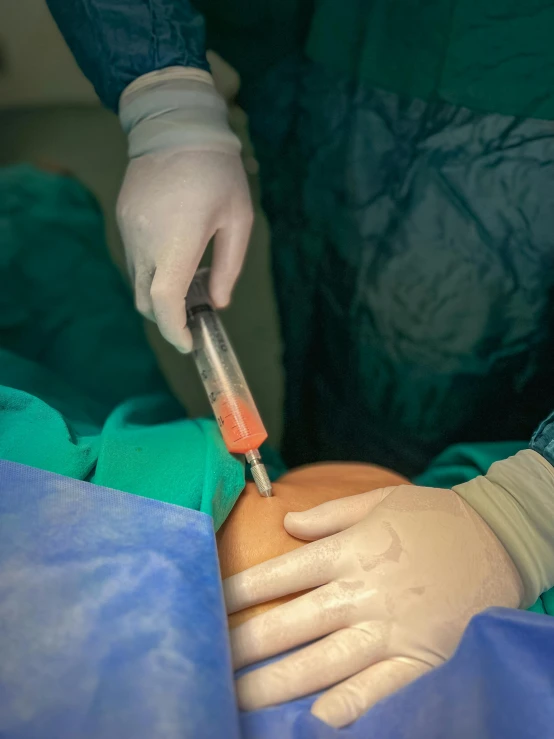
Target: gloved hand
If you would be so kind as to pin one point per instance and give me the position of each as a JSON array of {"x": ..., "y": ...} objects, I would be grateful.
[
  {"x": 185, "y": 184},
  {"x": 398, "y": 573}
]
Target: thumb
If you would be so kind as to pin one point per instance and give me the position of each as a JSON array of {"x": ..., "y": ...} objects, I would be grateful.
[{"x": 334, "y": 516}]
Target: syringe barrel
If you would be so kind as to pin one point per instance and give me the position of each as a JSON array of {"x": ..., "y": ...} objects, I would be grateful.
[{"x": 231, "y": 400}]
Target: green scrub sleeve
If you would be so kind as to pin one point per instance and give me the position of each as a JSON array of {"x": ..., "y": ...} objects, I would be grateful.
[{"x": 516, "y": 499}]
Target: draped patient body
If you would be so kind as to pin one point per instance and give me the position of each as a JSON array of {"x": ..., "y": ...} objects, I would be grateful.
[{"x": 254, "y": 531}]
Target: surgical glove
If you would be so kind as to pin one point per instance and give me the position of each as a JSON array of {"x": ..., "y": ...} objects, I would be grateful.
[
  {"x": 185, "y": 183},
  {"x": 396, "y": 573}
]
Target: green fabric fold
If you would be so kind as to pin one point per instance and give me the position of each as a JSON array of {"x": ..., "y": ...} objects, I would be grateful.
[{"x": 80, "y": 391}]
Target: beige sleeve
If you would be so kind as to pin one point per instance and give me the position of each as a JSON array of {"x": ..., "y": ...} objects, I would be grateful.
[{"x": 516, "y": 499}]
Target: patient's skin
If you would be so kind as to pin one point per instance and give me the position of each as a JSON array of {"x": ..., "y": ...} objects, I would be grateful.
[{"x": 254, "y": 531}]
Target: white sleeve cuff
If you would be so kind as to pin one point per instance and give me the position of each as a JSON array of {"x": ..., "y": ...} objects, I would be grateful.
[
  {"x": 516, "y": 499},
  {"x": 176, "y": 108}
]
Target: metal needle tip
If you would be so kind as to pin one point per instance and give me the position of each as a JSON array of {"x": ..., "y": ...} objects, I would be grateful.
[{"x": 259, "y": 473}]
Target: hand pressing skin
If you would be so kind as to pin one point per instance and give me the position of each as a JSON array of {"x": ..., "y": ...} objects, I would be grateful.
[
  {"x": 396, "y": 573},
  {"x": 254, "y": 531}
]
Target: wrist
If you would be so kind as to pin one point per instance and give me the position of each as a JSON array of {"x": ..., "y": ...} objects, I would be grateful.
[
  {"x": 516, "y": 499},
  {"x": 158, "y": 77},
  {"x": 177, "y": 107}
]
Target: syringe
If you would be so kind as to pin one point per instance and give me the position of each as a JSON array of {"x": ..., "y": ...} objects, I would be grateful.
[{"x": 232, "y": 402}]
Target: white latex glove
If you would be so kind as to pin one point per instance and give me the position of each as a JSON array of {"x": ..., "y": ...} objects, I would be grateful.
[
  {"x": 185, "y": 184},
  {"x": 395, "y": 589}
]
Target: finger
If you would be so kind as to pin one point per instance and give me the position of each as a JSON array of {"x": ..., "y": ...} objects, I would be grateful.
[
  {"x": 226, "y": 78},
  {"x": 143, "y": 283},
  {"x": 301, "y": 569},
  {"x": 349, "y": 700},
  {"x": 169, "y": 308},
  {"x": 131, "y": 271},
  {"x": 168, "y": 293},
  {"x": 250, "y": 164},
  {"x": 304, "y": 619},
  {"x": 230, "y": 246},
  {"x": 313, "y": 668},
  {"x": 334, "y": 516}
]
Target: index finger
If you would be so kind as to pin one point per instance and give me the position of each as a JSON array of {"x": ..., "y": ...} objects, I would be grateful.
[
  {"x": 169, "y": 291},
  {"x": 308, "y": 567}
]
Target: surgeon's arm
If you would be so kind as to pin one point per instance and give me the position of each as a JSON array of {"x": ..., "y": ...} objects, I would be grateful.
[
  {"x": 185, "y": 183},
  {"x": 117, "y": 41}
]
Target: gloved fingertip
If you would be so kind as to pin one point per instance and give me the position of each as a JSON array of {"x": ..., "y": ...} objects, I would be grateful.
[
  {"x": 184, "y": 346},
  {"x": 250, "y": 693},
  {"x": 221, "y": 297},
  {"x": 222, "y": 304},
  {"x": 325, "y": 711},
  {"x": 295, "y": 517},
  {"x": 251, "y": 165},
  {"x": 297, "y": 523}
]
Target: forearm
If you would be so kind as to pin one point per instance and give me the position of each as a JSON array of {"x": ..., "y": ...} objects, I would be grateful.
[
  {"x": 116, "y": 41},
  {"x": 516, "y": 499}
]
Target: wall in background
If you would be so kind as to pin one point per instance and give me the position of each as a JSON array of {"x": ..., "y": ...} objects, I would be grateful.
[{"x": 37, "y": 67}]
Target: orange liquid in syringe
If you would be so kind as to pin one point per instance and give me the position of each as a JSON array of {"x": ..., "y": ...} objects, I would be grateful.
[{"x": 242, "y": 429}]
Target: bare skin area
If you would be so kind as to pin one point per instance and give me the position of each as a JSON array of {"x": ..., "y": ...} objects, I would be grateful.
[{"x": 254, "y": 531}]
